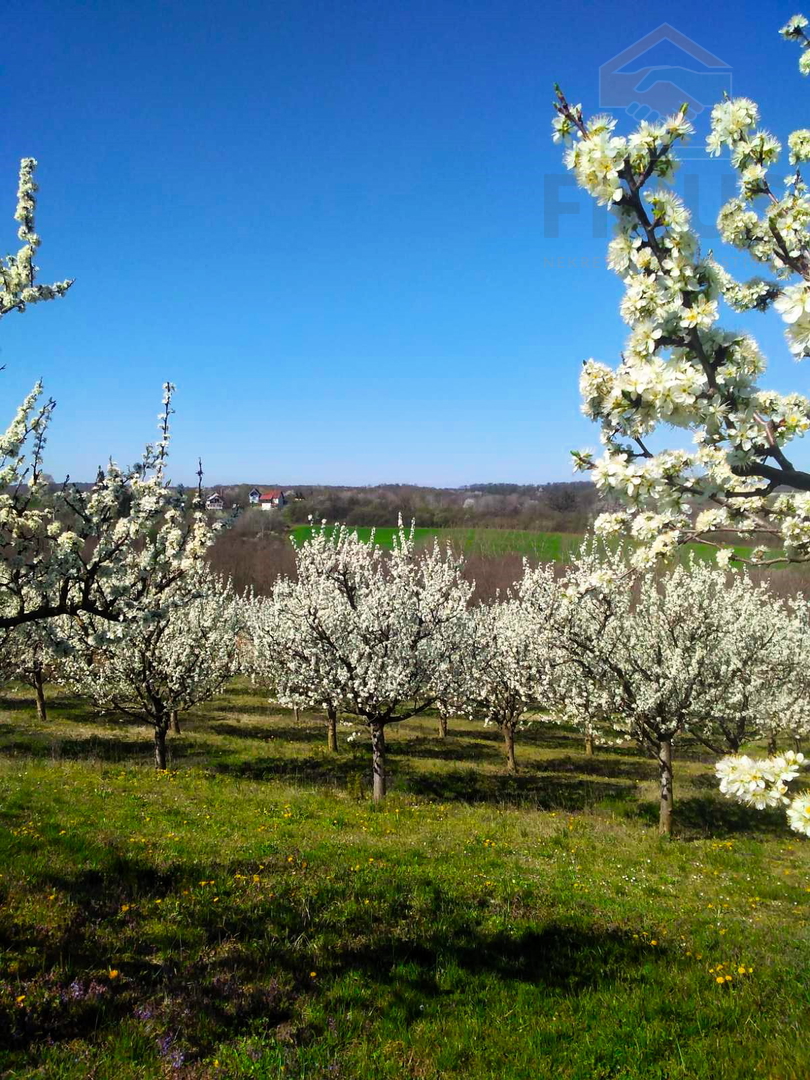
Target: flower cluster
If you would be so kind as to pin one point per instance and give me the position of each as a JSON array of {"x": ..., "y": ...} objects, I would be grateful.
[
  {"x": 18, "y": 287},
  {"x": 794, "y": 30},
  {"x": 679, "y": 367},
  {"x": 764, "y": 782}
]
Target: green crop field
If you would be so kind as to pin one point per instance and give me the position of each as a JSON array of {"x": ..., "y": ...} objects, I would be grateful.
[
  {"x": 548, "y": 546},
  {"x": 545, "y": 546},
  {"x": 250, "y": 914}
]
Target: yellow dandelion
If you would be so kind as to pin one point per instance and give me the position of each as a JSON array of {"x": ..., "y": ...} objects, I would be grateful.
[{"x": 113, "y": 973}]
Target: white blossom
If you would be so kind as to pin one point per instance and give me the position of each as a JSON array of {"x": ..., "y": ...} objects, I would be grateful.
[
  {"x": 374, "y": 633},
  {"x": 679, "y": 366}
]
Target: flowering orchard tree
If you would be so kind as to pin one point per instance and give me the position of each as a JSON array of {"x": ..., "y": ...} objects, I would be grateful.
[
  {"x": 761, "y": 662},
  {"x": 661, "y": 656},
  {"x": 29, "y": 653},
  {"x": 285, "y": 654},
  {"x": 376, "y": 629},
  {"x": 679, "y": 367},
  {"x": 79, "y": 551},
  {"x": 765, "y": 782},
  {"x": 504, "y": 651},
  {"x": 571, "y": 610},
  {"x": 175, "y": 651},
  {"x": 508, "y": 659}
]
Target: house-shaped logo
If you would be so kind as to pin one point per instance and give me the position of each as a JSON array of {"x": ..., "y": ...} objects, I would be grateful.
[{"x": 659, "y": 73}]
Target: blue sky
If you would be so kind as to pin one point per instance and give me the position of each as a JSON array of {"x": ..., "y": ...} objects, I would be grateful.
[{"x": 332, "y": 225}]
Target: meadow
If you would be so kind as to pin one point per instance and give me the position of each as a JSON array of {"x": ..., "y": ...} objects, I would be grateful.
[
  {"x": 557, "y": 547},
  {"x": 249, "y": 913}
]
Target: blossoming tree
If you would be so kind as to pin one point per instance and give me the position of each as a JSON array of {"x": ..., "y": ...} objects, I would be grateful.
[
  {"x": 375, "y": 629},
  {"x": 79, "y": 551},
  {"x": 567, "y": 611},
  {"x": 504, "y": 652},
  {"x": 294, "y": 663},
  {"x": 654, "y": 658},
  {"x": 176, "y": 650},
  {"x": 29, "y": 654},
  {"x": 679, "y": 367}
]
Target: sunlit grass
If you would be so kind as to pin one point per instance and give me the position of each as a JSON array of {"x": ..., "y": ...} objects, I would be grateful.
[
  {"x": 251, "y": 914},
  {"x": 544, "y": 546}
]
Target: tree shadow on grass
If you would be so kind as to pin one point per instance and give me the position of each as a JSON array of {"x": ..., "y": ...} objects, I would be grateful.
[
  {"x": 524, "y": 789},
  {"x": 328, "y": 770},
  {"x": 613, "y": 768},
  {"x": 90, "y": 748},
  {"x": 448, "y": 749},
  {"x": 554, "y": 955},
  {"x": 699, "y": 817},
  {"x": 274, "y": 732},
  {"x": 191, "y": 988}
]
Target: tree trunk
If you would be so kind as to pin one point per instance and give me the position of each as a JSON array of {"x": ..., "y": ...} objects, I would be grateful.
[
  {"x": 589, "y": 746},
  {"x": 297, "y": 713},
  {"x": 442, "y": 726},
  {"x": 509, "y": 742},
  {"x": 772, "y": 747},
  {"x": 174, "y": 723},
  {"x": 797, "y": 744},
  {"x": 331, "y": 728},
  {"x": 378, "y": 760},
  {"x": 665, "y": 767},
  {"x": 160, "y": 746},
  {"x": 39, "y": 683}
]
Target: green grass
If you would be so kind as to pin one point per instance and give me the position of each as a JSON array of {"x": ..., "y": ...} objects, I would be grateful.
[
  {"x": 266, "y": 921},
  {"x": 545, "y": 546},
  {"x": 549, "y": 546}
]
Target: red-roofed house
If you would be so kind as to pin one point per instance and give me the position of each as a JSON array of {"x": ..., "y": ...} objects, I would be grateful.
[{"x": 272, "y": 500}]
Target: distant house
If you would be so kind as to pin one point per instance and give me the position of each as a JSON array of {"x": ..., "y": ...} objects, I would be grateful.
[
  {"x": 272, "y": 500},
  {"x": 215, "y": 502},
  {"x": 253, "y": 496}
]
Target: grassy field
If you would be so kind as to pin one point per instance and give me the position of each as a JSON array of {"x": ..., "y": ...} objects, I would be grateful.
[
  {"x": 545, "y": 546},
  {"x": 548, "y": 546},
  {"x": 250, "y": 914}
]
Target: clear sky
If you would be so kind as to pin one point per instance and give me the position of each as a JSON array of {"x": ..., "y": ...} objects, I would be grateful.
[{"x": 332, "y": 224}]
